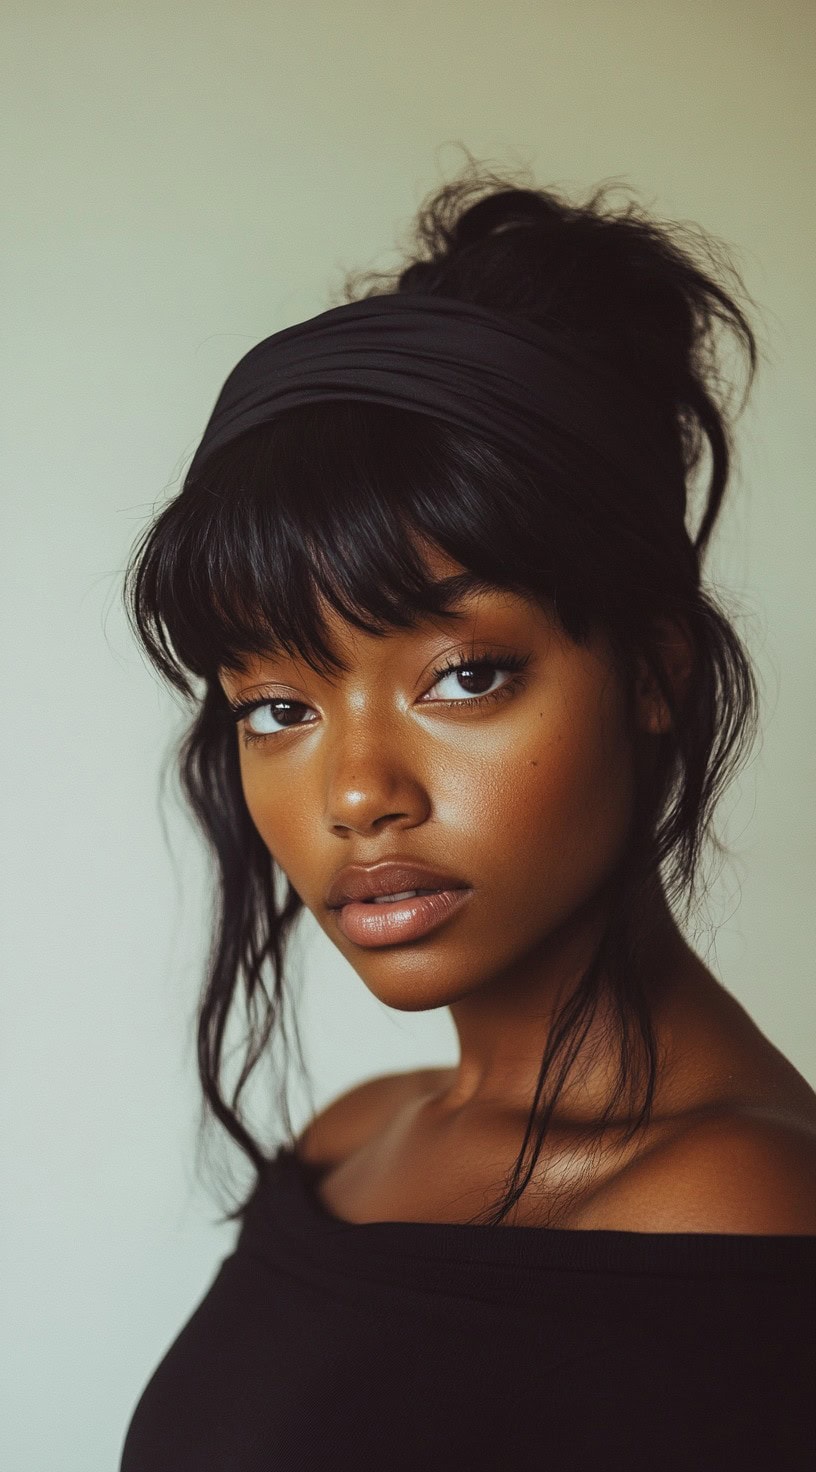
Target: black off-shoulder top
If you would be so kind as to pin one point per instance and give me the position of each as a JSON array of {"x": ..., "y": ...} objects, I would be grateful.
[{"x": 322, "y": 1343}]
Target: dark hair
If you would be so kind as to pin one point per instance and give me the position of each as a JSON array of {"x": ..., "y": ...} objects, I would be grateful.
[{"x": 318, "y": 503}]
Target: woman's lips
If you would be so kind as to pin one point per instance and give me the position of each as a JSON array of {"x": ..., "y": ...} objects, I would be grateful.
[{"x": 398, "y": 920}]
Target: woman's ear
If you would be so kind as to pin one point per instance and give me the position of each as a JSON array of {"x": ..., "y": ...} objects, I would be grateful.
[{"x": 676, "y": 653}]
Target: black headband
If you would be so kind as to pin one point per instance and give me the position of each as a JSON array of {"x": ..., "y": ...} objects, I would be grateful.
[{"x": 475, "y": 367}]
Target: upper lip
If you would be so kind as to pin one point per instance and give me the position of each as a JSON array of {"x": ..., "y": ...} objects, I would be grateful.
[{"x": 392, "y": 876}]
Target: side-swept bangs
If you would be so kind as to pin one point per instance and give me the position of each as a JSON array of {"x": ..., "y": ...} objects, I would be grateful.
[{"x": 335, "y": 504}]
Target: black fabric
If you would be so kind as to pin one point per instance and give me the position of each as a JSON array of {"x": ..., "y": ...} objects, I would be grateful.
[
  {"x": 486, "y": 371},
  {"x": 326, "y": 1344}
]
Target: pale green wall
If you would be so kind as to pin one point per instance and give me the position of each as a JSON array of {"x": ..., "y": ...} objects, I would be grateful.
[{"x": 181, "y": 180}]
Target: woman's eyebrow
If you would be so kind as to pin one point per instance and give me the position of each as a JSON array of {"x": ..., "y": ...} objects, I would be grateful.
[{"x": 462, "y": 587}]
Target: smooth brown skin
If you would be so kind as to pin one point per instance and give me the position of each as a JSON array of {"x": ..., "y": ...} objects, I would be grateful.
[{"x": 528, "y": 800}]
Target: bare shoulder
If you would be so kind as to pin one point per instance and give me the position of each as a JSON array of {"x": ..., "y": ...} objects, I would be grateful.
[
  {"x": 347, "y": 1122},
  {"x": 740, "y": 1171}
]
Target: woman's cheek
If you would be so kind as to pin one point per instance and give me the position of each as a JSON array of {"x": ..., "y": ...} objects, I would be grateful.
[
  {"x": 269, "y": 804},
  {"x": 575, "y": 793}
]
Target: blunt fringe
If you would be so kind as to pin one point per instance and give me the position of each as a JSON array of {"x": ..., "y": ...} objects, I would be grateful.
[{"x": 335, "y": 502}]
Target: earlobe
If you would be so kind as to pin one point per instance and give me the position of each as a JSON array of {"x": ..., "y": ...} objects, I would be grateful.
[{"x": 674, "y": 648}]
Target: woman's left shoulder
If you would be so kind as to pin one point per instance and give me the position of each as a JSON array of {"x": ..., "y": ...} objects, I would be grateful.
[{"x": 743, "y": 1169}]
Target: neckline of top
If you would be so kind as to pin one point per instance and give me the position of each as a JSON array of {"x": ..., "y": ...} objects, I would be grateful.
[{"x": 530, "y": 1246}]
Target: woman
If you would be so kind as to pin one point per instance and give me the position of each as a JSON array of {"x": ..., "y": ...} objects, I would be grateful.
[{"x": 464, "y": 695}]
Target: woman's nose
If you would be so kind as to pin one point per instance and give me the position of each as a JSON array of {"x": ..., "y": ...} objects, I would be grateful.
[{"x": 370, "y": 782}]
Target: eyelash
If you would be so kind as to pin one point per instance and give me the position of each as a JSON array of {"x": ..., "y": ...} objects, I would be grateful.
[{"x": 495, "y": 659}]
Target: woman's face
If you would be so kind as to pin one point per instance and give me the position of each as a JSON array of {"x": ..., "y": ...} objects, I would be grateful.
[{"x": 525, "y": 797}]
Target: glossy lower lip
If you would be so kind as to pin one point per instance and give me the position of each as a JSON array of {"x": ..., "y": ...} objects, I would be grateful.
[{"x": 398, "y": 920}]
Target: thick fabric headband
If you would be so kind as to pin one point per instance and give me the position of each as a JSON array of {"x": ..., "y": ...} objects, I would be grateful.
[{"x": 474, "y": 367}]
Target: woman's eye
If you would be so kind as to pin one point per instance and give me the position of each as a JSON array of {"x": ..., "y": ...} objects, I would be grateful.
[
  {"x": 473, "y": 681},
  {"x": 473, "y": 678},
  {"x": 270, "y": 717}
]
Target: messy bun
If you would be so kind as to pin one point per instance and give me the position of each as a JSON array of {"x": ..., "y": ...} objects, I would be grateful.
[
  {"x": 314, "y": 507},
  {"x": 656, "y": 301}
]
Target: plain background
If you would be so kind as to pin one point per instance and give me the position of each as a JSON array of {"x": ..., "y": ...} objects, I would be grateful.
[{"x": 181, "y": 180}]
